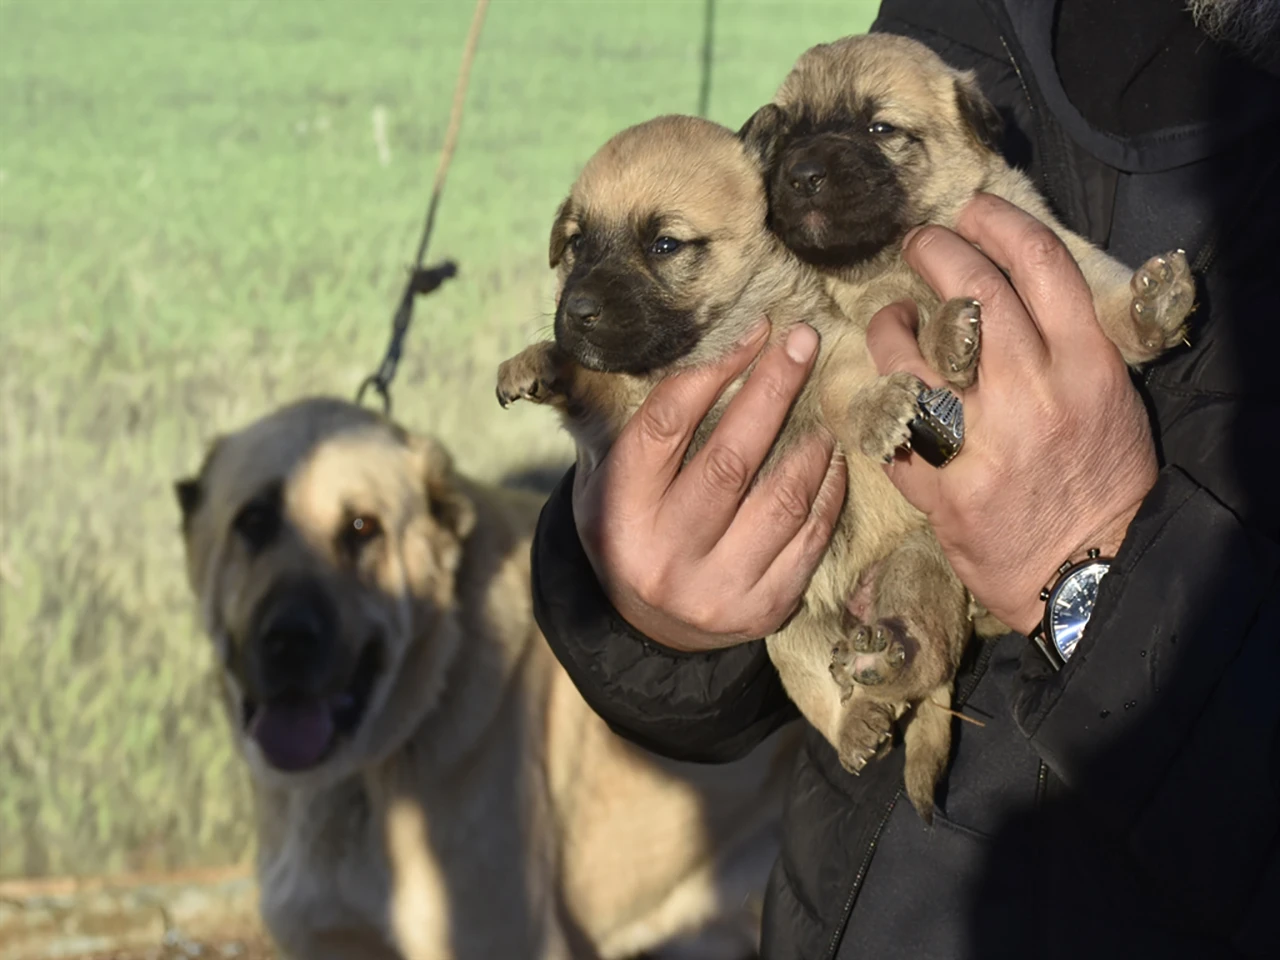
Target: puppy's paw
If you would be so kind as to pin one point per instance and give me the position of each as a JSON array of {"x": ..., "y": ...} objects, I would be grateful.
[
  {"x": 950, "y": 341},
  {"x": 529, "y": 375},
  {"x": 1164, "y": 293},
  {"x": 877, "y": 653},
  {"x": 880, "y": 415},
  {"x": 866, "y": 732}
]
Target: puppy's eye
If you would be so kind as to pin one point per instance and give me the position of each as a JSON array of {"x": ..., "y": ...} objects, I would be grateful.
[
  {"x": 575, "y": 243},
  {"x": 258, "y": 523},
  {"x": 881, "y": 129},
  {"x": 665, "y": 245},
  {"x": 360, "y": 532}
]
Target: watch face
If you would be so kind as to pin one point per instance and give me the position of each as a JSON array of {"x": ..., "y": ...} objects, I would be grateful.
[{"x": 1071, "y": 604}]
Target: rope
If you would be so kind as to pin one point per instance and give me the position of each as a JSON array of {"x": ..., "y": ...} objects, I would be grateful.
[
  {"x": 423, "y": 280},
  {"x": 708, "y": 55}
]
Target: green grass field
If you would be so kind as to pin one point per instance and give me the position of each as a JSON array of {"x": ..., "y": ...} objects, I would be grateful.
[{"x": 198, "y": 222}]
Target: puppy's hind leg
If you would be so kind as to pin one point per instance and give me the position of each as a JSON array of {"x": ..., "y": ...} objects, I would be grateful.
[{"x": 918, "y": 625}]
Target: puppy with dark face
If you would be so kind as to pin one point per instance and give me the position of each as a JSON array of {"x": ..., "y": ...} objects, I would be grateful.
[
  {"x": 429, "y": 784},
  {"x": 872, "y": 135},
  {"x": 664, "y": 261}
]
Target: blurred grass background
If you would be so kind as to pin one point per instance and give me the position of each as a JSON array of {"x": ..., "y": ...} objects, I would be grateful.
[{"x": 198, "y": 221}]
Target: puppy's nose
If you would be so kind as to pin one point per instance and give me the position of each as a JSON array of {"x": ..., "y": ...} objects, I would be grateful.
[
  {"x": 806, "y": 177},
  {"x": 583, "y": 309}
]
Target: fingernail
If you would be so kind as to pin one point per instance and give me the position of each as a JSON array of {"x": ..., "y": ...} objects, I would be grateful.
[
  {"x": 802, "y": 342},
  {"x": 909, "y": 236}
]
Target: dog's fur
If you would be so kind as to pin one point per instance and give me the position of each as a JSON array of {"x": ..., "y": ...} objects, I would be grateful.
[
  {"x": 429, "y": 783},
  {"x": 665, "y": 260}
]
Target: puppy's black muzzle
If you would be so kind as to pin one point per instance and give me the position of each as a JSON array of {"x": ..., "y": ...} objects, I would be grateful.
[{"x": 835, "y": 199}]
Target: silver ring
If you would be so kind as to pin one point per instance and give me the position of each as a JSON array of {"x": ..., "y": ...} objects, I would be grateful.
[{"x": 937, "y": 431}]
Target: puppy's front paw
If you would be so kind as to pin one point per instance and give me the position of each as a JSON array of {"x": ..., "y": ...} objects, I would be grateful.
[
  {"x": 1164, "y": 293},
  {"x": 950, "y": 341},
  {"x": 881, "y": 413},
  {"x": 529, "y": 375},
  {"x": 866, "y": 731}
]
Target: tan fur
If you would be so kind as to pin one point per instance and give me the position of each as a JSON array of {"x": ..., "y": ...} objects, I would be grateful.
[
  {"x": 480, "y": 809},
  {"x": 698, "y": 177}
]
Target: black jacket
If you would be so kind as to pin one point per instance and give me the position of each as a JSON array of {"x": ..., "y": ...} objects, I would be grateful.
[{"x": 1130, "y": 805}]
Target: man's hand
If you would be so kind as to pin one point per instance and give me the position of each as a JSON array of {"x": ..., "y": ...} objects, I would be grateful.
[
  {"x": 1058, "y": 453},
  {"x": 688, "y": 556}
]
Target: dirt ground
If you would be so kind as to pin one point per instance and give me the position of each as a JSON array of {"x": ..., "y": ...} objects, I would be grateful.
[{"x": 209, "y": 915}]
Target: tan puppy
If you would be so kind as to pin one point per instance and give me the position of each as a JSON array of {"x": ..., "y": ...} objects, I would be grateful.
[
  {"x": 664, "y": 261},
  {"x": 874, "y": 134},
  {"x": 429, "y": 783}
]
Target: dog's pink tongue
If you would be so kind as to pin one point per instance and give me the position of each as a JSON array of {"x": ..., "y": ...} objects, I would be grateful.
[{"x": 293, "y": 736}]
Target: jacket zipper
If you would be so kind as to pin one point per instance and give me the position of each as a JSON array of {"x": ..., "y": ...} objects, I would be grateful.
[
  {"x": 858, "y": 877},
  {"x": 1042, "y": 784},
  {"x": 838, "y": 935}
]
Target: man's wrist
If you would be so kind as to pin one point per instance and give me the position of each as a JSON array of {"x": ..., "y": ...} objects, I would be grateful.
[{"x": 1106, "y": 539}]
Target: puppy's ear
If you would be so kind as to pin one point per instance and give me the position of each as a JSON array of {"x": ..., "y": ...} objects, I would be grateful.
[
  {"x": 977, "y": 113},
  {"x": 761, "y": 133},
  {"x": 449, "y": 505},
  {"x": 556, "y": 250}
]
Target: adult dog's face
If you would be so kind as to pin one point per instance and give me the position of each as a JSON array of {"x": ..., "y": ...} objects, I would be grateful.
[
  {"x": 654, "y": 245},
  {"x": 867, "y": 137},
  {"x": 322, "y": 543}
]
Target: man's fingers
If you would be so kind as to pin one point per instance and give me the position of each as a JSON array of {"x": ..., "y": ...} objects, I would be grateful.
[
  {"x": 1046, "y": 276},
  {"x": 705, "y": 496},
  {"x": 891, "y": 340},
  {"x": 650, "y": 449},
  {"x": 953, "y": 267},
  {"x": 777, "y": 508},
  {"x": 789, "y": 574}
]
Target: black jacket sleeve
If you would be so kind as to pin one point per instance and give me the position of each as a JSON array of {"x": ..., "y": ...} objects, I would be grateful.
[
  {"x": 706, "y": 707},
  {"x": 1166, "y": 720}
]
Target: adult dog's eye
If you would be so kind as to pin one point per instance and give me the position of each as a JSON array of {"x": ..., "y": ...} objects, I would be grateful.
[
  {"x": 362, "y": 530},
  {"x": 575, "y": 242},
  {"x": 880, "y": 129},
  {"x": 258, "y": 523},
  {"x": 665, "y": 245}
]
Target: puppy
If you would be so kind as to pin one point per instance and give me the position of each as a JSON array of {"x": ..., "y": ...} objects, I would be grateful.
[
  {"x": 429, "y": 784},
  {"x": 664, "y": 261},
  {"x": 872, "y": 135}
]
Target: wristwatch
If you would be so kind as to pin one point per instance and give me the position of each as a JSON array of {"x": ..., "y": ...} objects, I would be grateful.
[{"x": 1069, "y": 601}]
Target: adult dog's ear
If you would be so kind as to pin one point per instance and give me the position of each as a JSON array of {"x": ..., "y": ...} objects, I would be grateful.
[
  {"x": 448, "y": 503},
  {"x": 558, "y": 241},
  {"x": 189, "y": 494},
  {"x": 977, "y": 113},
  {"x": 189, "y": 491},
  {"x": 761, "y": 133}
]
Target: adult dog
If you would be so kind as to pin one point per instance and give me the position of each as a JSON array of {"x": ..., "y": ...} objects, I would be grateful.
[{"x": 429, "y": 784}]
